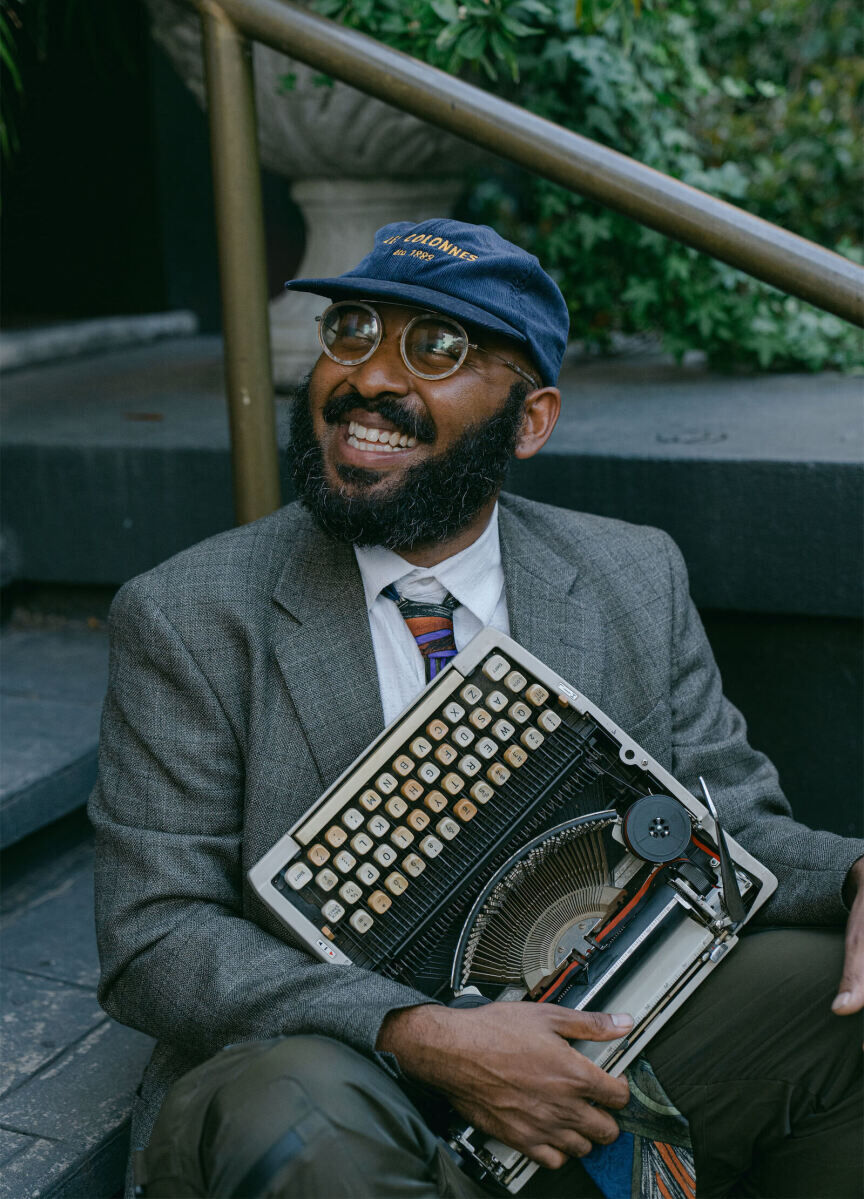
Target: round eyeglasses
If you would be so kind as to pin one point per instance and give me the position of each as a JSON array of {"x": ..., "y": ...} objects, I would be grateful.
[{"x": 432, "y": 346}]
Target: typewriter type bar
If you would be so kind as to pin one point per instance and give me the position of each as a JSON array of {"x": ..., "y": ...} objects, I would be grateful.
[{"x": 490, "y": 753}]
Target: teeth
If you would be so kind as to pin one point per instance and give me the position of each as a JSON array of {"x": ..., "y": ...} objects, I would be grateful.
[{"x": 379, "y": 439}]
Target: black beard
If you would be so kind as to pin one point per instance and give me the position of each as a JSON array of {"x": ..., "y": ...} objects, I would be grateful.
[{"x": 437, "y": 497}]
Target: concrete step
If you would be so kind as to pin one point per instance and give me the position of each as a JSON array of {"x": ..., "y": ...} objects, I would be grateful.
[
  {"x": 51, "y": 689},
  {"x": 69, "y": 1072},
  {"x": 758, "y": 478}
]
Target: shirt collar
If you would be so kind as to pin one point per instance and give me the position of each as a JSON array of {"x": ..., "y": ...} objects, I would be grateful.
[{"x": 474, "y": 576}]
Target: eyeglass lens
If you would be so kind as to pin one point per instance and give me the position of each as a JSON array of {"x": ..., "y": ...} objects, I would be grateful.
[{"x": 432, "y": 346}]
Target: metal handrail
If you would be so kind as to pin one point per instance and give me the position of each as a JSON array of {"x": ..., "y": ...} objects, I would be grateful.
[{"x": 673, "y": 208}]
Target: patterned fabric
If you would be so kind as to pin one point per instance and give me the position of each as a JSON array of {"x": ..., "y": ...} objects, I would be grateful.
[
  {"x": 653, "y": 1156},
  {"x": 431, "y": 626}
]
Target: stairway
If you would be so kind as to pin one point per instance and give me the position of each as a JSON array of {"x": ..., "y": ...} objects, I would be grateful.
[{"x": 112, "y": 462}]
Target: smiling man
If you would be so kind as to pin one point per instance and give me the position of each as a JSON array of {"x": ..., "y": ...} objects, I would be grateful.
[{"x": 248, "y": 672}]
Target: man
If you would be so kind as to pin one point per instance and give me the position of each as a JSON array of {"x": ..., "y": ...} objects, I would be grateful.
[{"x": 249, "y": 671}]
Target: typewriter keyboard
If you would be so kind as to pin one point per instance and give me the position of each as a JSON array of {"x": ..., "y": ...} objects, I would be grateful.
[{"x": 424, "y": 806}]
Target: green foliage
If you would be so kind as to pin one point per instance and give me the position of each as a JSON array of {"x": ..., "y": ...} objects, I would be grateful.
[{"x": 754, "y": 101}]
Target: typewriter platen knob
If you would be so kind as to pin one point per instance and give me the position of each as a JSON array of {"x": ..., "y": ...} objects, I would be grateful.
[{"x": 657, "y": 828}]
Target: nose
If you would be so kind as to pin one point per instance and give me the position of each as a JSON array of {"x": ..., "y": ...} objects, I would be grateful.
[{"x": 383, "y": 371}]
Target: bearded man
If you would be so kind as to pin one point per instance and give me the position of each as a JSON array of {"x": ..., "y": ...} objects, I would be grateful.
[{"x": 248, "y": 672}]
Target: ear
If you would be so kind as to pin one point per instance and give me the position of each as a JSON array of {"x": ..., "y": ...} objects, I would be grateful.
[{"x": 542, "y": 409}]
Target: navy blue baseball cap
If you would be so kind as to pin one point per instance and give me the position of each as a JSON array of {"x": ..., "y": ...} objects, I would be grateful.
[{"x": 464, "y": 271}]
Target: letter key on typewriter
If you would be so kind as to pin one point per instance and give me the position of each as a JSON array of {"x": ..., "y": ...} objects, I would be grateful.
[{"x": 503, "y": 836}]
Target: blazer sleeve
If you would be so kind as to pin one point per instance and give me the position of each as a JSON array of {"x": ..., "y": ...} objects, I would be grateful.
[
  {"x": 709, "y": 737},
  {"x": 179, "y": 959}
]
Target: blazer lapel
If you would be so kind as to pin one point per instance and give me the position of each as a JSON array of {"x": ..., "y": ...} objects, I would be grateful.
[
  {"x": 325, "y": 650},
  {"x": 552, "y": 604}
]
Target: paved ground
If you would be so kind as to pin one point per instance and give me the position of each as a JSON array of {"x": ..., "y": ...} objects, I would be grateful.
[{"x": 68, "y": 1071}]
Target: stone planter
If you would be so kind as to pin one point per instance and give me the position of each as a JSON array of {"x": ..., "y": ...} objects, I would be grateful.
[{"x": 356, "y": 164}]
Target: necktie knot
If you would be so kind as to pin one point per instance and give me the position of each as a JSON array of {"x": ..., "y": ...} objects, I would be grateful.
[{"x": 431, "y": 626}]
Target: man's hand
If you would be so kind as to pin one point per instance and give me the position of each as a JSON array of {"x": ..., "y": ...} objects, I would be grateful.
[
  {"x": 507, "y": 1067},
  {"x": 850, "y": 997}
]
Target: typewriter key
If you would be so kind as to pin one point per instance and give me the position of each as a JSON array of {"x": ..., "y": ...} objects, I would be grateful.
[
  {"x": 352, "y": 819},
  {"x": 549, "y": 720},
  {"x": 412, "y": 790},
  {"x": 335, "y": 836},
  {"x": 378, "y": 826},
  {"x": 361, "y": 921},
  {"x": 379, "y": 902},
  {"x": 420, "y": 747},
  {"x": 462, "y": 735},
  {"x": 515, "y": 681},
  {"x": 369, "y": 800},
  {"x": 350, "y": 892},
  {"x": 465, "y": 809},
  {"x": 532, "y": 738},
  {"x": 396, "y": 883},
  {"x": 386, "y": 783},
  {"x": 367, "y": 874},
  {"x": 418, "y": 819},
  {"x": 452, "y": 783},
  {"x": 435, "y": 801},
  {"x": 496, "y": 667},
  {"x": 332, "y": 911},
  {"x": 298, "y": 875},
  {"x": 519, "y": 712},
  {"x": 344, "y": 861},
  {"x": 497, "y": 774},
  {"x": 537, "y": 695},
  {"x": 445, "y": 754},
  {"x": 503, "y": 730},
  {"x": 486, "y": 748},
  {"x": 326, "y": 879},
  {"x": 403, "y": 765},
  {"x": 453, "y": 712},
  {"x": 361, "y": 843},
  {"x": 428, "y": 772},
  {"x": 413, "y": 865},
  {"x": 437, "y": 729},
  {"x": 481, "y": 792},
  {"x": 401, "y": 836},
  {"x": 447, "y": 828},
  {"x": 469, "y": 765},
  {"x": 384, "y": 855},
  {"x": 431, "y": 846},
  {"x": 396, "y": 807},
  {"x": 497, "y": 701},
  {"x": 515, "y": 755},
  {"x": 480, "y": 718},
  {"x": 318, "y": 854},
  {"x": 471, "y": 694}
]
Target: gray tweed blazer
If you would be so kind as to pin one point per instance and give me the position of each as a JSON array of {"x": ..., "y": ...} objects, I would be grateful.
[{"x": 243, "y": 682}]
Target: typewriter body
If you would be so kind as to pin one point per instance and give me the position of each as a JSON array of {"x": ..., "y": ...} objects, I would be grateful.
[{"x": 504, "y": 838}]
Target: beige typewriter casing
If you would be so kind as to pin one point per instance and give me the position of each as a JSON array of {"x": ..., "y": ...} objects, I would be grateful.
[{"x": 657, "y": 984}]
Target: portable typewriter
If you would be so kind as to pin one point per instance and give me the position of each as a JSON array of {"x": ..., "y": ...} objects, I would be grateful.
[{"x": 504, "y": 838}]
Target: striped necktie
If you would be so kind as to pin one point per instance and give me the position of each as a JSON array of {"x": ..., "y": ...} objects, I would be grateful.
[{"x": 431, "y": 626}]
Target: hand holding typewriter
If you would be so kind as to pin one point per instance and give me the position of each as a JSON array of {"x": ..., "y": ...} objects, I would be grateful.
[{"x": 508, "y": 1068}]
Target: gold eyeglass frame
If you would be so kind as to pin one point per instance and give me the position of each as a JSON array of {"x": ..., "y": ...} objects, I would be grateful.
[{"x": 421, "y": 315}]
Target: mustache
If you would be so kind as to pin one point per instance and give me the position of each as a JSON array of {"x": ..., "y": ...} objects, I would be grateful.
[{"x": 407, "y": 421}]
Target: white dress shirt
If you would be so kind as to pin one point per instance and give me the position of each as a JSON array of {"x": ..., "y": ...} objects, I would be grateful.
[{"x": 474, "y": 577}]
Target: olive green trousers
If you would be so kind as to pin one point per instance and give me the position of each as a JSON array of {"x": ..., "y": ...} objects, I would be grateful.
[{"x": 769, "y": 1079}]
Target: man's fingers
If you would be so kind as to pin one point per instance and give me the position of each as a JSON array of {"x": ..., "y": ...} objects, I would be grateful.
[
  {"x": 850, "y": 993},
  {"x": 592, "y": 1026},
  {"x": 573, "y": 1143},
  {"x": 602, "y": 1088},
  {"x": 546, "y": 1155}
]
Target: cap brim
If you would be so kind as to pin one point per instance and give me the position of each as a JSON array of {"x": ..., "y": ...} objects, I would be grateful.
[{"x": 352, "y": 286}]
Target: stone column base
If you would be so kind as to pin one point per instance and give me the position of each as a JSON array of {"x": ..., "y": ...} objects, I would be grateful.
[{"x": 341, "y": 217}]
